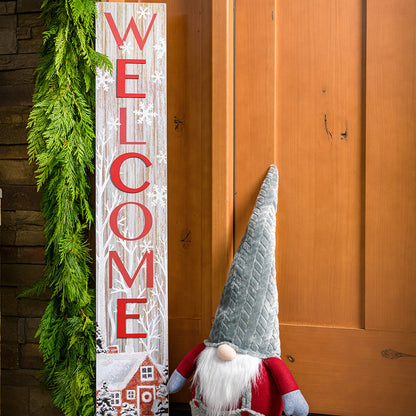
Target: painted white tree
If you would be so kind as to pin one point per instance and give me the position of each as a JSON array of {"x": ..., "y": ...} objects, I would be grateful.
[
  {"x": 131, "y": 182},
  {"x": 129, "y": 410},
  {"x": 104, "y": 407},
  {"x": 161, "y": 404}
]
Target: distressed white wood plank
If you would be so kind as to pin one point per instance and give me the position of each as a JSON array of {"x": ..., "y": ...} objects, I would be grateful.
[{"x": 131, "y": 155}]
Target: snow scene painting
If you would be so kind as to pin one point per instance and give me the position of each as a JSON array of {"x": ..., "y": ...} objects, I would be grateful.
[
  {"x": 130, "y": 385},
  {"x": 131, "y": 211}
]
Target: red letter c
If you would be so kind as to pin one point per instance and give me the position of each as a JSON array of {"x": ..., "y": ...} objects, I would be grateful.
[{"x": 115, "y": 172}]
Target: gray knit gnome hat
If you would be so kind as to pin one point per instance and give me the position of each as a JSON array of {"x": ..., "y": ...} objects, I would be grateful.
[{"x": 246, "y": 316}]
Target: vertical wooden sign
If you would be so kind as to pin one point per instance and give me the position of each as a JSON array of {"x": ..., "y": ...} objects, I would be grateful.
[{"x": 131, "y": 211}]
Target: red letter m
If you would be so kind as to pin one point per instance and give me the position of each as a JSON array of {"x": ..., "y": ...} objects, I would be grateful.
[
  {"x": 148, "y": 257},
  {"x": 132, "y": 26}
]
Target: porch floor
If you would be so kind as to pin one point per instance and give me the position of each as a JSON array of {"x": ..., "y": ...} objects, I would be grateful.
[{"x": 183, "y": 409}]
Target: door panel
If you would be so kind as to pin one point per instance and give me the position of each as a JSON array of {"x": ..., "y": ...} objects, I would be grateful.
[
  {"x": 353, "y": 372},
  {"x": 319, "y": 156},
  {"x": 315, "y": 138},
  {"x": 326, "y": 89}
]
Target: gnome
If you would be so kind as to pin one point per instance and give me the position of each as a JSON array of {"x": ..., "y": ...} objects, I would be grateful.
[{"x": 238, "y": 370}]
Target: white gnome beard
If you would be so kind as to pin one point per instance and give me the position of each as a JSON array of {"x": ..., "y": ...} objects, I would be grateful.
[{"x": 222, "y": 383}]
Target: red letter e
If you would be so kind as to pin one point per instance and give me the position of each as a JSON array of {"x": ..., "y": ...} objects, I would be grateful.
[{"x": 122, "y": 317}]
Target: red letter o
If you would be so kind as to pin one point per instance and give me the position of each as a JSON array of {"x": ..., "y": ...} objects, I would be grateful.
[{"x": 148, "y": 221}]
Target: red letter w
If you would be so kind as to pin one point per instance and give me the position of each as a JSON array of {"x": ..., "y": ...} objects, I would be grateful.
[
  {"x": 148, "y": 257},
  {"x": 132, "y": 26}
]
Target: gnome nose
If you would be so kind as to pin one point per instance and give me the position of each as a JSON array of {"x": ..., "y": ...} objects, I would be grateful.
[{"x": 226, "y": 352}]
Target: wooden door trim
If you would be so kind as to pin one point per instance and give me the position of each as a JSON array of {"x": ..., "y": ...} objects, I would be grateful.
[{"x": 222, "y": 144}]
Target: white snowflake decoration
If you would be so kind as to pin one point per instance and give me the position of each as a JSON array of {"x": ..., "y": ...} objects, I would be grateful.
[
  {"x": 159, "y": 196},
  {"x": 103, "y": 79},
  {"x": 162, "y": 157},
  {"x": 143, "y": 12},
  {"x": 158, "y": 77},
  {"x": 126, "y": 48},
  {"x": 146, "y": 246},
  {"x": 145, "y": 114},
  {"x": 160, "y": 48},
  {"x": 114, "y": 123}
]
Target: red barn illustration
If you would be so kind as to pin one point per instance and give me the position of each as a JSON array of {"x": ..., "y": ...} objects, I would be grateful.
[{"x": 131, "y": 381}]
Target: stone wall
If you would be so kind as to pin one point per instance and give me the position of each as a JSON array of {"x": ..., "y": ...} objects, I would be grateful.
[{"x": 22, "y": 240}]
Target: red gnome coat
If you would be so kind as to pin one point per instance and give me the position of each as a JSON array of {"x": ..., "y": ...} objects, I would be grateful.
[
  {"x": 273, "y": 382},
  {"x": 245, "y": 332}
]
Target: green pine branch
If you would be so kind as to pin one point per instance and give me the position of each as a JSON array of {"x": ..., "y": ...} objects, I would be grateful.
[{"x": 61, "y": 142}]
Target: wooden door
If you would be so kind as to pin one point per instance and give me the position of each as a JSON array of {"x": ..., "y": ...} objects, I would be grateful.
[{"x": 326, "y": 89}]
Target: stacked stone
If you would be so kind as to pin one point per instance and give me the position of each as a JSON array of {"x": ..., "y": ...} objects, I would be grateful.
[{"x": 22, "y": 240}]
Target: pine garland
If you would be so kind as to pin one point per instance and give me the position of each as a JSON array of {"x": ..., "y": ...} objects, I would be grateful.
[{"x": 61, "y": 141}]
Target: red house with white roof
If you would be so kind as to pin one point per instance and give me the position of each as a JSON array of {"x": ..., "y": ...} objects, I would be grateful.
[{"x": 131, "y": 381}]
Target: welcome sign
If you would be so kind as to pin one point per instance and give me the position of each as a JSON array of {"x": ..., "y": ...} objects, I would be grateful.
[{"x": 131, "y": 211}]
